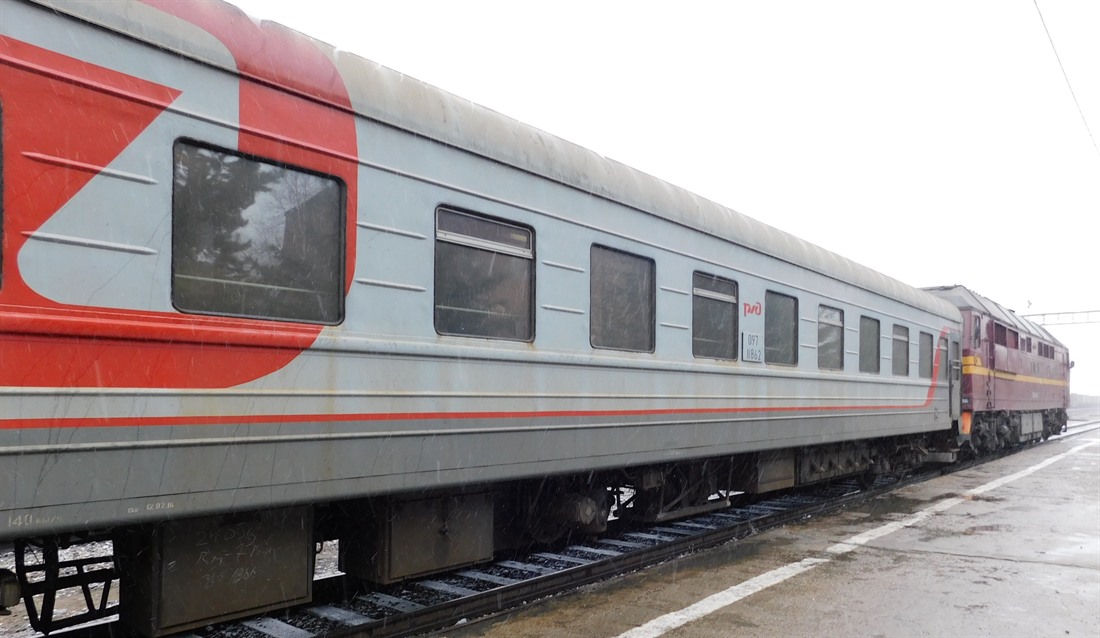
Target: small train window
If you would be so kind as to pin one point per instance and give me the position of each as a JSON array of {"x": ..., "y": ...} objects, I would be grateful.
[
  {"x": 830, "y": 338},
  {"x": 901, "y": 351},
  {"x": 870, "y": 353},
  {"x": 713, "y": 317},
  {"x": 924, "y": 353},
  {"x": 944, "y": 363},
  {"x": 484, "y": 277},
  {"x": 251, "y": 238},
  {"x": 780, "y": 328},
  {"x": 623, "y": 301}
]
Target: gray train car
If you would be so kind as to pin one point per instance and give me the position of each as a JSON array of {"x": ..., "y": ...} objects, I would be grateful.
[{"x": 249, "y": 278}]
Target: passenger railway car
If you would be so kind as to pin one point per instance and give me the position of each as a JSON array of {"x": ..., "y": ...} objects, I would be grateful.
[
  {"x": 257, "y": 294},
  {"x": 1015, "y": 374}
]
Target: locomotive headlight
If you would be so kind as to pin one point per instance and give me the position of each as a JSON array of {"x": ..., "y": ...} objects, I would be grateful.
[{"x": 9, "y": 591}]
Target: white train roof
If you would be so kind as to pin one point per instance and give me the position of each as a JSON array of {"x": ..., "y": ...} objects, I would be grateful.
[{"x": 385, "y": 95}]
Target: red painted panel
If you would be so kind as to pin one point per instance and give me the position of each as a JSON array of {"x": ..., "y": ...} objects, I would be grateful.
[
  {"x": 55, "y": 105},
  {"x": 59, "y": 106}
]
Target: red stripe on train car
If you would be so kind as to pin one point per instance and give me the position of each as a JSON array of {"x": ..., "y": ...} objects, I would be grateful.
[{"x": 167, "y": 421}]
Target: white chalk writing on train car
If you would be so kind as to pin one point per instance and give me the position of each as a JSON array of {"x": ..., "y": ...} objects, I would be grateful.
[
  {"x": 29, "y": 518},
  {"x": 160, "y": 505}
]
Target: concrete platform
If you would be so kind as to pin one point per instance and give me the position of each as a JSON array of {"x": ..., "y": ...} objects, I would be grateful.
[{"x": 1008, "y": 549}]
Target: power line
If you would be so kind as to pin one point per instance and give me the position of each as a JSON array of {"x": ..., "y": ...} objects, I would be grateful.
[
  {"x": 1064, "y": 75},
  {"x": 1065, "y": 318}
]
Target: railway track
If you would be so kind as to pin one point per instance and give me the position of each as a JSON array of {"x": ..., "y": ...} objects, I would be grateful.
[{"x": 343, "y": 609}]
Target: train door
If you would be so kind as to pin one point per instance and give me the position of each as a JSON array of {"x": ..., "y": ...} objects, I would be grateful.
[
  {"x": 989, "y": 352},
  {"x": 954, "y": 379}
]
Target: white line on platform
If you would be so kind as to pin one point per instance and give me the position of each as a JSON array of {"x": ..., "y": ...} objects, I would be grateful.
[{"x": 664, "y": 624}]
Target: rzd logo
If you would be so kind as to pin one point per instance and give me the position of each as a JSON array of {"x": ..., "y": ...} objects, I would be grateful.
[{"x": 753, "y": 309}]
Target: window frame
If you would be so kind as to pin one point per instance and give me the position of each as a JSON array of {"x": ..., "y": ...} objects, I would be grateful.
[
  {"x": 770, "y": 330},
  {"x": 925, "y": 352},
  {"x": 864, "y": 321},
  {"x": 701, "y": 296},
  {"x": 828, "y": 326},
  {"x": 483, "y": 243},
  {"x": 648, "y": 303},
  {"x": 336, "y": 280},
  {"x": 902, "y": 340}
]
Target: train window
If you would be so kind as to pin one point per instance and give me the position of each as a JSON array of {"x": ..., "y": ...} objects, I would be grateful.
[
  {"x": 1000, "y": 335},
  {"x": 830, "y": 338},
  {"x": 924, "y": 353},
  {"x": 1013, "y": 340},
  {"x": 251, "y": 238},
  {"x": 780, "y": 328},
  {"x": 977, "y": 338},
  {"x": 623, "y": 301},
  {"x": 944, "y": 364},
  {"x": 713, "y": 317},
  {"x": 901, "y": 351},
  {"x": 484, "y": 277},
  {"x": 869, "y": 345}
]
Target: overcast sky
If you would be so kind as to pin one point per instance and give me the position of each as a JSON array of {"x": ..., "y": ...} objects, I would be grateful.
[{"x": 927, "y": 140}]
